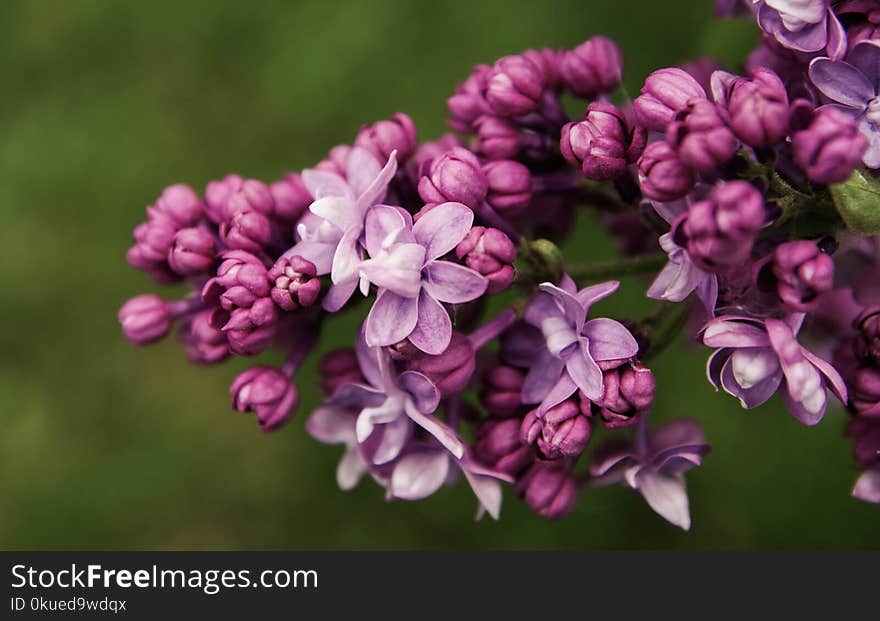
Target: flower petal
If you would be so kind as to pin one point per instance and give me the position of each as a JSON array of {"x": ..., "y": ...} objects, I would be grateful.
[
  {"x": 592, "y": 294},
  {"x": 865, "y": 57},
  {"x": 394, "y": 436},
  {"x": 361, "y": 168},
  {"x": 751, "y": 397},
  {"x": 666, "y": 494},
  {"x": 609, "y": 340},
  {"x": 332, "y": 424},
  {"x": 350, "y": 469},
  {"x": 419, "y": 474},
  {"x": 321, "y": 183},
  {"x": 488, "y": 492},
  {"x": 572, "y": 309},
  {"x": 442, "y": 228},
  {"x": 375, "y": 192},
  {"x": 339, "y": 211},
  {"x": 433, "y": 329},
  {"x": 422, "y": 390},
  {"x": 453, "y": 283},
  {"x": 584, "y": 372},
  {"x": 391, "y": 319},
  {"x": 867, "y": 486},
  {"x": 841, "y": 82},
  {"x": 381, "y": 222},
  {"x": 562, "y": 390},
  {"x": 725, "y": 332},
  {"x": 442, "y": 432},
  {"x": 368, "y": 361},
  {"x": 338, "y": 295},
  {"x": 542, "y": 377},
  {"x": 347, "y": 257},
  {"x": 398, "y": 270}
]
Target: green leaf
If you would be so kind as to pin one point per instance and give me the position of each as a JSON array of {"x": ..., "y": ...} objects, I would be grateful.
[{"x": 858, "y": 202}]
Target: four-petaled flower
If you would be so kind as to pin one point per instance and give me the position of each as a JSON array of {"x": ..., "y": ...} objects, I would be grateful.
[
  {"x": 755, "y": 357},
  {"x": 572, "y": 345},
  {"x": 404, "y": 263},
  {"x": 331, "y": 234}
]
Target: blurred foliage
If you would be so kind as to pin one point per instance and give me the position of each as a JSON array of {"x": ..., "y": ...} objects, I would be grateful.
[{"x": 107, "y": 446}]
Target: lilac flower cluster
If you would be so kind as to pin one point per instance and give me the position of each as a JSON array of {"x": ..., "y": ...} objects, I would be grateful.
[{"x": 753, "y": 193}]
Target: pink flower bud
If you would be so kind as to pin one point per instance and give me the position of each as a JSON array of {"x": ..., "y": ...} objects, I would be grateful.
[
  {"x": 193, "y": 251},
  {"x": 145, "y": 319},
  {"x": 592, "y": 68},
  {"x": 294, "y": 283},
  {"x": 491, "y": 253},
  {"x": 268, "y": 393},
  {"x": 510, "y": 186},
  {"x": 665, "y": 93}
]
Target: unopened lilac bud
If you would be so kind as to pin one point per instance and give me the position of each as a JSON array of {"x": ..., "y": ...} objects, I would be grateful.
[
  {"x": 592, "y": 68},
  {"x": 662, "y": 174},
  {"x": 268, "y": 393},
  {"x": 468, "y": 103},
  {"x": 154, "y": 237},
  {"x": 497, "y": 445},
  {"x": 831, "y": 148},
  {"x": 217, "y": 193},
  {"x": 337, "y": 368},
  {"x": 384, "y": 137},
  {"x": 249, "y": 329},
  {"x": 865, "y": 391},
  {"x": 501, "y": 391},
  {"x": 145, "y": 319},
  {"x": 510, "y": 186},
  {"x": 193, "y": 251},
  {"x": 514, "y": 86},
  {"x": 239, "y": 270},
  {"x": 602, "y": 145},
  {"x": 497, "y": 138},
  {"x": 867, "y": 343},
  {"x": 758, "y": 108},
  {"x": 564, "y": 430},
  {"x": 450, "y": 371},
  {"x": 182, "y": 204},
  {"x": 491, "y": 253},
  {"x": 291, "y": 197},
  {"x": 454, "y": 176},
  {"x": 701, "y": 137},
  {"x": 246, "y": 230},
  {"x": 665, "y": 93},
  {"x": 294, "y": 282},
  {"x": 548, "y": 61},
  {"x": 719, "y": 232},
  {"x": 253, "y": 195},
  {"x": 204, "y": 343},
  {"x": 629, "y": 391},
  {"x": 159, "y": 271},
  {"x": 549, "y": 489},
  {"x": 799, "y": 272}
]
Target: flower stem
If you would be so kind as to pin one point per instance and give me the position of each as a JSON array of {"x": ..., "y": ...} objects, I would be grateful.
[{"x": 615, "y": 268}]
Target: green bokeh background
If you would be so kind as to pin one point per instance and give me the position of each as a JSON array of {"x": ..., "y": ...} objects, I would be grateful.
[{"x": 104, "y": 445}]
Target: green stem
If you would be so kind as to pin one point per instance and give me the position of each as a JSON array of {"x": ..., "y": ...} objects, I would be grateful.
[
  {"x": 668, "y": 332},
  {"x": 616, "y": 268}
]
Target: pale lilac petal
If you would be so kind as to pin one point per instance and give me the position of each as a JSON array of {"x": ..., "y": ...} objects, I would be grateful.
[
  {"x": 442, "y": 228},
  {"x": 422, "y": 390},
  {"x": 433, "y": 329},
  {"x": 319, "y": 253},
  {"x": 350, "y": 469},
  {"x": 841, "y": 82},
  {"x": 442, "y": 432},
  {"x": 671, "y": 284},
  {"x": 382, "y": 222},
  {"x": 453, "y": 283},
  {"x": 667, "y": 496},
  {"x": 832, "y": 378},
  {"x": 361, "y": 168},
  {"x": 347, "y": 257},
  {"x": 869, "y": 129},
  {"x": 837, "y": 43},
  {"x": 356, "y": 397},
  {"x": 542, "y": 376},
  {"x": 375, "y": 192},
  {"x": 801, "y": 377},
  {"x": 720, "y": 83},
  {"x": 574, "y": 312},
  {"x": 609, "y": 340},
  {"x": 592, "y": 294},
  {"x": 419, "y": 474},
  {"x": 321, "y": 184},
  {"x": 867, "y": 486},
  {"x": 332, "y": 424},
  {"x": 338, "y": 294},
  {"x": 562, "y": 390},
  {"x": 391, "y": 319},
  {"x": 866, "y": 58},
  {"x": 368, "y": 361},
  {"x": 714, "y": 365},
  {"x": 387, "y": 411},
  {"x": 677, "y": 433},
  {"x": 752, "y": 397},
  {"x": 726, "y": 333},
  {"x": 584, "y": 372},
  {"x": 339, "y": 211},
  {"x": 488, "y": 492},
  {"x": 707, "y": 293},
  {"x": 808, "y": 411},
  {"x": 607, "y": 463},
  {"x": 394, "y": 436},
  {"x": 753, "y": 365},
  {"x": 540, "y": 308},
  {"x": 398, "y": 270}
]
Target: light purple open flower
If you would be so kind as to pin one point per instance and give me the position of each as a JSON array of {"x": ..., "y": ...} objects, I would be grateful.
[
  {"x": 425, "y": 467},
  {"x": 854, "y": 86},
  {"x": 572, "y": 345},
  {"x": 404, "y": 263},
  {"x": 756, "y": 357},
  {"x": 388, "y": 403},
  {"x": 803, "y": 25},
  {"x": 680, "y": 276},
  {"x": 654, "y": 464},
  {"x": 331, "y": 234}
]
